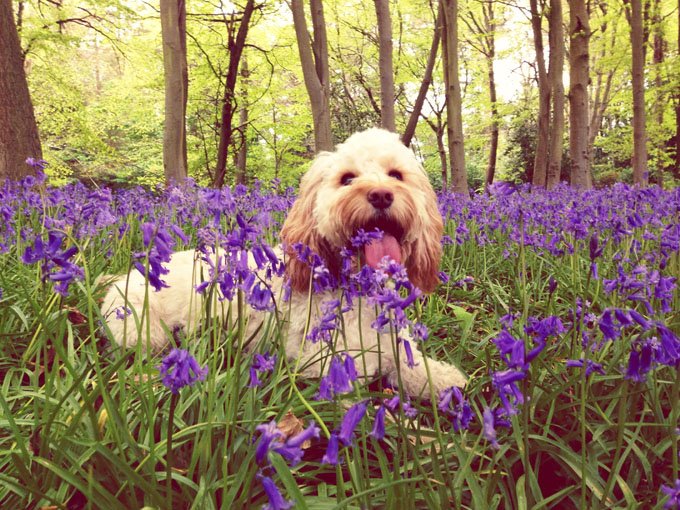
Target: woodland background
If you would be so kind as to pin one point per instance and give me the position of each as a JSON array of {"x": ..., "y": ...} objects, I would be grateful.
[{"x": 131, "y": 92}]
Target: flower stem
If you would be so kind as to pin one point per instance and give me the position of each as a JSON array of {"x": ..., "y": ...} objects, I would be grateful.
[{"x": 168, "y": 457}]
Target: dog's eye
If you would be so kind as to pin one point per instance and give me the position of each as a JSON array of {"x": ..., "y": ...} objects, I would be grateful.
[
  {"x": 396, "y": 174},
  {"x": 347, "y": 178}
]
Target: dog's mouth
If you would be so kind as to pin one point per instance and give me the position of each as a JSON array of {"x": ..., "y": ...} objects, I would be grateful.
[{"x": 388, "y": 246}]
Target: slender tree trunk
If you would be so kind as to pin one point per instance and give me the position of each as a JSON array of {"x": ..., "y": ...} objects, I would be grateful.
[
  {"x": 579, "y": 36},
  {"x": 639, "y": 161},
  {"x": 425, "y": 84},
  {"x": 173, "y": 34},
  {"x": 556, "y": 69},
  {"x": 454, "y": 117},
  {"x": 543, "y": 130},
  {"x": 387, "y": 115},
  {"x": 490, "y": 37},
  {"x": 677, "y": 111},
  {"x": 242, "y": 153},
  {"x": 236, "y": 45},
  {"x": 19, "y": 137},
  {"x": 314, "y": 61},
  {"x": 660, "y": 97}
]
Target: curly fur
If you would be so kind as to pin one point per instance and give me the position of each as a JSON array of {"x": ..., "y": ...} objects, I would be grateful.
[{"x": 333, "y": 204}]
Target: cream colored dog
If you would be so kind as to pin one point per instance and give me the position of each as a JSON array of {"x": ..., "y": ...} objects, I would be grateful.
[{"x": 370, "y": 181}]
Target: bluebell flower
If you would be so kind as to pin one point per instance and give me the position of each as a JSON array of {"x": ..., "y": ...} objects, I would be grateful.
[
  {"x": 339, "y": 379},
  {"x": 352, "y": 418},
  {"x": 331, "y": 455},
  {"x": 460, "y": 412},
  {"x": 378, "y": 431},
  {"x": 669, "y": 348},
  {"x": 640, "y": 360},
  {"x": 673, "y": 493},
  {"x": 291, "y": 448},
  {"x": 262, "y": 363},
  {"x": 591, "y": 366},
  {"x": 489, "y": 427},
  {"x": 56, "y": 265},
  {"x": 269, "y": 434},
  {"x": 276, "y": 499},
  {"x": 179, "y": 369}
]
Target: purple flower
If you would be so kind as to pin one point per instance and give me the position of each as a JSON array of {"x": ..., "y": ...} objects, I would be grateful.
[
  {"x": 55, "y": 264},
  {"x": 640, "y": 360},
  {"x": 489, "y": 427},
  {"x": 262, "y": 364},
  {"x": 673, "y": 493},
  {"x": 352, "y": 418},
  {"x": 179, "y": 369},
  {"x": 378, "y": 430},
  {"x": 339, "y": 379},
  {"x": 291, "y": 449},
  {"x": 331, "y": 455},
  {"x": 460, "y": 412},
  {"x": 276, "y": 499},
  {"x": 591, "y": 366},
  {"x": 269, "y": 434}
]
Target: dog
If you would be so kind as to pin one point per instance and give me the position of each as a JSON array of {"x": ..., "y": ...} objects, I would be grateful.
[{"x": 371, "y": 181}]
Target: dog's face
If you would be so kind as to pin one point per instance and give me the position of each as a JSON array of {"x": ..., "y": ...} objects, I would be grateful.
[{"x": 371, "y": 181}]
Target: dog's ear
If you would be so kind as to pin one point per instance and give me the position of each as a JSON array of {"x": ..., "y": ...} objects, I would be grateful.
[
  {"x": 300, "y": 226},
  {"x": 422, "y": 264}
]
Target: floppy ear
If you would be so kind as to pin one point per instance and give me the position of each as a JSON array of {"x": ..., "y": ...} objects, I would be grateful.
[
  {"x": 300, "y": 227},
  {"x": 422, "y": 264}
]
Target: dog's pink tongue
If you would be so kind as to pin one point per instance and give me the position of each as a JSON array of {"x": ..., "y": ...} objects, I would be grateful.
[{"x": 376, "y": 250}]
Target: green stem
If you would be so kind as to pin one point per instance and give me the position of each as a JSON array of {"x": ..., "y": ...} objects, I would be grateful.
[
  {"x": 168, "y": 457},
  {"x": 620, "y": 426}
]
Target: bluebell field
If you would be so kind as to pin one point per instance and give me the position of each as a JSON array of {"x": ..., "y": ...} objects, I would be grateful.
[{"x": 561, "y": 306}]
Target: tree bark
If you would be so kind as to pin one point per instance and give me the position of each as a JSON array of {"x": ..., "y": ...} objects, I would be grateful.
[
  {"x": 639, "y": 160},
  {"x": 236, "y": 45},
  {"x": 556, "y": 69},
  {"x": 579, "y": 37},
  {"x": 387, "y": 115},
  {"x": 410, "y": 129},
  {"x": 543, "y": 129},
  {"x": 676, "y": 172},
  {"x": 314, "y": 61},
  {"x": 454, "y": 117},
  {"x": 19, "y": 137},
  {"x": 660, "y": 98},
  {"x": 173, "y": 35},
  {"x": 490, "y": 38},
  {"x": 242, "y": 153}
]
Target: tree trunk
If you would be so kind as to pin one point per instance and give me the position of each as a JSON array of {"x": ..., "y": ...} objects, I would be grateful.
[
  {"x": 490, "y": 31},
  {"x": 660, "y": 98},
  {"x": 556, "y": 69},
  {"x": 639, "y": 161},
  {"x": 173, "y": 35},
  {"x": 18, "y": 130},
  {"x": 454, "y": 117},
  {"x": 242, "y": 153},
  {"x": 677, "y": 112},
  {"x": 543, "y": 130},
  {"x": 425, "y": 84},
  {"x": 314, "y": 61},
  {"x": 579, "y": 36},
  {"x": 236, "y": 45},
  {"x": 387, "y": 116}
]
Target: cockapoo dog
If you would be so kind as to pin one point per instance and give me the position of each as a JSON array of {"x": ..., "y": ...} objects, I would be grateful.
[{"x": 370, "y": 181}]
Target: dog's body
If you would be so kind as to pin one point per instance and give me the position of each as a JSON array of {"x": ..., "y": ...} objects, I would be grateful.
[{"x": 371, "y": 181}]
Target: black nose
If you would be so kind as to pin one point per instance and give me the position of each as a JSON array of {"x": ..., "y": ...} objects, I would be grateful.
[{"x": 380, "y": 198}]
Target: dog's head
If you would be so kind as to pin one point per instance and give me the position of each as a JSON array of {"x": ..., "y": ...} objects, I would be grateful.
[{"x": 370, "y": 181}]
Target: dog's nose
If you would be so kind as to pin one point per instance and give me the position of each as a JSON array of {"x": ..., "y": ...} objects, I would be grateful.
[{"x": 380, "y": 198}]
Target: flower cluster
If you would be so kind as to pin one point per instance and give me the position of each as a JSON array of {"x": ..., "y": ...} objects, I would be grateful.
[
  {"x": 179, "y": 369},
  {"x": 55, "y": 262}
]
